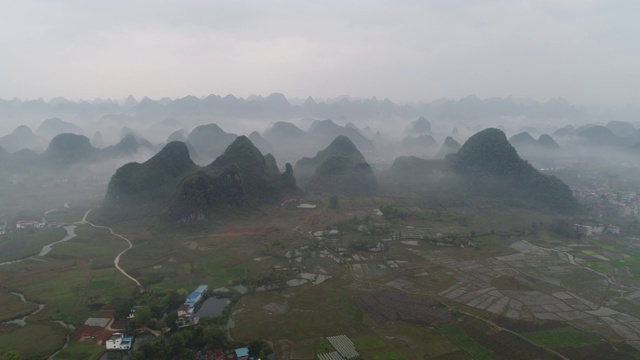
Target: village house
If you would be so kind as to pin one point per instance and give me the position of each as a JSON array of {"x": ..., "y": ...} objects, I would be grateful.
[
  {"x": 187, "y": 310},
  {"x": 585, "y": 230},
  {"x": 118, "y": 341}
]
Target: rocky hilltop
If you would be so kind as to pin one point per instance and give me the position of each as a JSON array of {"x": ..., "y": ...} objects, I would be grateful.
[
  {"x": 486, "y": 168},
  {"x": 156, "y": 176},
  {"x": 492, "y": 166},
  {"x": 170, "y": 185}
]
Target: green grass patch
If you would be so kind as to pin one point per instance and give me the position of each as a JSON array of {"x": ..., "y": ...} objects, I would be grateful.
[
  {"x": 34, "y": 341},
  {"x": 596, "y": 267},
  {"x": 13, "y": 307},
  {"x": 390, "y": 355},
  {"x": 367, "y": 342},
  {"x": 101, "y": 283},
  {"x": 588, "y": 252},
  {"x": 222, "y": 275},
  {"x": 80, "y": 351},
  {"x": 324, "y": 347},
  {"x": 20, "y": 244},
  {"x": 562, "y": 337},
  {"x": 460, "y": 338}
]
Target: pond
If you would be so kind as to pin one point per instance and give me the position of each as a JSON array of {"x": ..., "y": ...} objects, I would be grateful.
[{"x": 213, "y": 307}]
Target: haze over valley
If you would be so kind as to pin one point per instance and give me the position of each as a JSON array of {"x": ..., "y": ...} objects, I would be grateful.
[{"x": 355, "y": 180}]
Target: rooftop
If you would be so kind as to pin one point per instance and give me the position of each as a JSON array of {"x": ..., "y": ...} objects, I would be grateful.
[
  {"x": 98, "y": 322},
  {"x": 242, "y": 352}
]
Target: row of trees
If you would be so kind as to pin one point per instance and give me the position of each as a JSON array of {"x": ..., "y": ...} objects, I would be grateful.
[{"x": 186, "y": 343}]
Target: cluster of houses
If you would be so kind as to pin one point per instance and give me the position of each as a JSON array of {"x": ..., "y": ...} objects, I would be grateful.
[
  {"x": 603, "y": 200},
  {"x": 187, "y": 310},
  {"x": 588, "y": 230},
  {"x": 31, "y": 224}
]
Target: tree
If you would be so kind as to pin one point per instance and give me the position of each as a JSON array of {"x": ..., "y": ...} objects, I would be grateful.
[
  {"x": 170, "y": 321},
  {"x": 214, "y": 336},
  {"x": 333, "y": 202},
  {"x": 259, "y": 348},
  {"x": 142, "y": 316},
  {"x": 176, "y": 344}
]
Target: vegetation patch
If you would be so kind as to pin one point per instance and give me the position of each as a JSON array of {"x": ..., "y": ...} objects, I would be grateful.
[
  {"x": 367, "y": 342},
  {"x": 37, "y": 341},
  {"x": 460, "y": 338},
  {"x": 13, "y": 307},
  {"x": 20, "y": 244},
  {"x": 324, "y": 347},
  {"x": 80, "y": 351},
  {"x": 222, "y": 275},
  {"x": 101, "y": 283},
  {"x": 390, "y": 355},
  {"x": 562, "y": 337}
]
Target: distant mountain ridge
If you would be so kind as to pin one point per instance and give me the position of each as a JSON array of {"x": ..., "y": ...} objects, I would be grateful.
[
  {"x": 55, "y": 126},
  {"x": 277, "y": 107},
  {"x": 22, "y": 137},
  {"x": 524, "y": 141}
]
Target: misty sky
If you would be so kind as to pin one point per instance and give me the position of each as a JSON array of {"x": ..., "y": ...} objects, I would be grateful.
[{"x": 584, "y": 50}]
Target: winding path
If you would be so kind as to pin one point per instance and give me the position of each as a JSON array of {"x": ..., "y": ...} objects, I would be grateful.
[{"x": 116, "y": 261}]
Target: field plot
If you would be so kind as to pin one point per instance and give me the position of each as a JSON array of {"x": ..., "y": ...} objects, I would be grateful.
[
  {"x": 562, "y": 337},
  {"x": 368, "y": 342},
  {"x": 504, "y": 344},
  {"x": 389, "y": 305},
  {"x": 47, "y": 336},
  {"x": 413, "y": 341},
  {"x": 389, "y": 355},
  {"x": 80, "y": 351},
  {"x": 72, "y": 278},
  {"x": 320, "y": 309},
  {"x": 458, "y": 336},
  {"x": 13, "y": 307},
  {"x": 540, "y": 285},
  {"x": 602, "y": 351},
  {"x": 22, "y": 244}
]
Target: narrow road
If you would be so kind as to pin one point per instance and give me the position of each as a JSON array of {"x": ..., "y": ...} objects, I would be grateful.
[{"x": 116, "y": 261}]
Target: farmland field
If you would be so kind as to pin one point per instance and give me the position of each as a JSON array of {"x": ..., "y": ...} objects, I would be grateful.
[
  {"x": 25, "y": 243},
  {"x": 48, "y": 337},
  {"x": 13, "y": 307},
  {"x": 460, "y": 338},
  {"x": 298, "y": 288},
  {"x": 367, "y": 342},
  {"x": 562, "y": 337}
]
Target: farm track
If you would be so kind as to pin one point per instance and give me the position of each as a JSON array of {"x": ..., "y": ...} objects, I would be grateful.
[{"x": 116, "y": 261}]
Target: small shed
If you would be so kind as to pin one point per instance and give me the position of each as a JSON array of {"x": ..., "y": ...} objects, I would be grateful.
[{"x": 242, "y": 353}]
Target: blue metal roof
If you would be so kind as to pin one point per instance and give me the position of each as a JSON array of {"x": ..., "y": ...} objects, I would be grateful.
[
  {"x": 241, "y": 352},
  {"x": 202, "y": 288},
  {"x": 194, "y": 295}
]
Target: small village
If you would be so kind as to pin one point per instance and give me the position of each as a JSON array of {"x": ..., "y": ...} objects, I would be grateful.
[
  {"x": 602, "y": 200},
  {"x": 121, "y": 336}
]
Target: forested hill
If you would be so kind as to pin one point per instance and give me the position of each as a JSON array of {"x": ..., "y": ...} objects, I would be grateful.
[
  {"x": 492, "y": 166},
  {"x": 340, "y": 168},
  {"x": 241, "y": 176}
]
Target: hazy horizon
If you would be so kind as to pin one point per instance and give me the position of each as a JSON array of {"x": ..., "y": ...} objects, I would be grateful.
[{"x": 583, "y": 51}]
